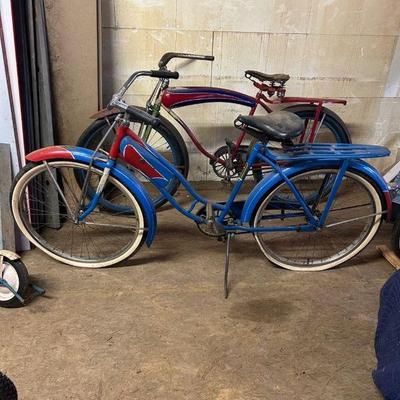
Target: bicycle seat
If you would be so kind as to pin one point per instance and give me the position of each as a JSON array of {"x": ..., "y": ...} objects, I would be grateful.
[
  {"x": 281, "y": 78},
  {"x": 279, "y": 126}
]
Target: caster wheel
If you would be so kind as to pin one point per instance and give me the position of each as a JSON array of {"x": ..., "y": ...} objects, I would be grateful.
[{"x": 15, "y": 274}]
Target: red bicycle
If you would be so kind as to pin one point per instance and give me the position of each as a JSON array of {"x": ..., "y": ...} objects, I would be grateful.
[{"x": 321, "y": 124}]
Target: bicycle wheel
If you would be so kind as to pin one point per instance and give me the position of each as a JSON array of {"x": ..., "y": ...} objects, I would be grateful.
[
  {"x": 45, "y": 209},
  {"x": 353, "y": 220},
  {"x": 329, "y": 130},
  {"x": 395, "y": 240},
  {"x": 15, "y": 274},
  {"x": 8, "y": 390},
  {"x": 165, "y": 138}
]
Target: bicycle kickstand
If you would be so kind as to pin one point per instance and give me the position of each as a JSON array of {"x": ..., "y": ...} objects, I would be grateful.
[{"x": 228, "y": 250}]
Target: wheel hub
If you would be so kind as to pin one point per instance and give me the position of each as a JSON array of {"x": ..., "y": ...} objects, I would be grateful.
[{"x": 10, "y": 275}]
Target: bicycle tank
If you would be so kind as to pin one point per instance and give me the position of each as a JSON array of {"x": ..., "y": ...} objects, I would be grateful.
[{"x": 181, "y": 96}]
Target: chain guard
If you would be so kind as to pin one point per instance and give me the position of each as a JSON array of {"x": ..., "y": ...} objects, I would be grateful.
[{"x": 204, "y": 229}]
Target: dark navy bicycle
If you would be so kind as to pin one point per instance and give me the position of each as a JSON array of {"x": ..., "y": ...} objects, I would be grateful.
[{"x": 320, "y": 205}]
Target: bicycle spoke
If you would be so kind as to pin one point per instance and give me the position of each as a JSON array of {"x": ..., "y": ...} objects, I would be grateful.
[
  {"x": 351, "y": 218},
  {"x": 102, "y": 235}
]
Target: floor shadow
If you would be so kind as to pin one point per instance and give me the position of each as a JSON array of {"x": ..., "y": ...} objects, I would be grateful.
[
  {"x": 140, "y": 261},
  {"x": 262, "y": 310}
]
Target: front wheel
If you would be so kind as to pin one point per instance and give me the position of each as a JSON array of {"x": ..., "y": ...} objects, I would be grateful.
[
  {"x": 352, "y": 222},
  {"x": 47, "y": 201}
]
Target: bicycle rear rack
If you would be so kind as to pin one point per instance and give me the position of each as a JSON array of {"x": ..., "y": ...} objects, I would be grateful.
[{"x": 327, "y": 151}]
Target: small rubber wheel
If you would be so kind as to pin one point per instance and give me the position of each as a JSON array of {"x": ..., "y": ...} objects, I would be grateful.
[
  {"x": 8, "y": 390},
  {"x": 16, "y": 275},
  {"x": 396, "y": 237}
]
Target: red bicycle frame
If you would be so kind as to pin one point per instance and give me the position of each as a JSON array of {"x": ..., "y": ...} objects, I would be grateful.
[
  {"x": 181, "y": 96},
  {"x": 176, "y": 97}
]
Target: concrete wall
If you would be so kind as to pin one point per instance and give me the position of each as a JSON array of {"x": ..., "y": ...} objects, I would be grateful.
[
  {"x": 72, "y": 34},
  {"x": 337, "y": 48}
]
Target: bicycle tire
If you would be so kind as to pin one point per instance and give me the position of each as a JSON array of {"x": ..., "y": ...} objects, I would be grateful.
[
  {"x": 8, "y": 391},
  {"x": 17, "y": 277},
  {"x": 54, "y": 241},
  {"x": 350, "y": 250},
  {"x": 395, "y": 239}
]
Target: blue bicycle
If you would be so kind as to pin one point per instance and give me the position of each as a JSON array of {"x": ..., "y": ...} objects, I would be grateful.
[{"x": 320, "y": 205}]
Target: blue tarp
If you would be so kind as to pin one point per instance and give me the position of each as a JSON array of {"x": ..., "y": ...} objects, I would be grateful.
[{"x": 387, "y": 340}]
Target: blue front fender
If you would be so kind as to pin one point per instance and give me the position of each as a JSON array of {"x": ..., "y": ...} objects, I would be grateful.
[
  {"x": 273, "y": 179},
  {"x": 126, "y": 177}
]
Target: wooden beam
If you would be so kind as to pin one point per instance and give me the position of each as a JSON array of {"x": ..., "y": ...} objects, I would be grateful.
[{"x": 390, "y": 256}]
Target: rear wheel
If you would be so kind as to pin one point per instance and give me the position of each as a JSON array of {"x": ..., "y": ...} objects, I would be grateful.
[
  {"x": 46, "y": 208},
  {"x": 329, "y": 130},
  {"x": 396, "y": 237},
  {"x": 352, "y": 222},
  {"x": 165, "y": 138}
]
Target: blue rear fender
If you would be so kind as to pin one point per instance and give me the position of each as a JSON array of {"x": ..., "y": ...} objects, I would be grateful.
[
  {"x": 121, "y": 173},
  {"x": 273, "y": 179}
]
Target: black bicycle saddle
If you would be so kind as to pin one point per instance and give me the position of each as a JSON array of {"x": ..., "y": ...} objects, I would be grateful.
[{"x": 278, "y": 126}]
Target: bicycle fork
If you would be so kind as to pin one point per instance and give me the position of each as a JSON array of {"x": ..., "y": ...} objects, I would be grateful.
[{"x": 99, "y": 190}]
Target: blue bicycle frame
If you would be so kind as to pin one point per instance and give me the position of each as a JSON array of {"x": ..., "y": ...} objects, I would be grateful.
[{"x": 296, "y": 159}]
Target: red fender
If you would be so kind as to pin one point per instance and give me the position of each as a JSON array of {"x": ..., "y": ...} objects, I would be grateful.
[{"x": 50, "y": 153}]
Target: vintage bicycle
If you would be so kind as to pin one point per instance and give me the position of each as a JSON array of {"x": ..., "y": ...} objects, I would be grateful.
[
  {"x": 321, "y": 205},
  {"x": 321, "y": 124}
]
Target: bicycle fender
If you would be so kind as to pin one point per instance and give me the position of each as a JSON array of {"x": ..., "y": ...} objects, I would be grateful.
[
  {"x": 119, "y": 172},
  {"x": 9, "y": 254},
  {"x": 312, "y": 107},
  {"x": 273, "y": 179}
]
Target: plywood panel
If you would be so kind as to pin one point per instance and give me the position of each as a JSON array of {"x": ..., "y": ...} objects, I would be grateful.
[{"x": 73, "y": 54}]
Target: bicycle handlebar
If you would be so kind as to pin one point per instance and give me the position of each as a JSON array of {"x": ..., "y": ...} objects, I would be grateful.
[
  {"x": 117, "y": 102},
  {"x": 147, "y": 118},
  {"x": 167, "y": 57},
  {"x": 165, "y": 74}
]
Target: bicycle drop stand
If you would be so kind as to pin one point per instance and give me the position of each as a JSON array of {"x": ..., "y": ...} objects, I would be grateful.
[{"x": 228, "y": 239}]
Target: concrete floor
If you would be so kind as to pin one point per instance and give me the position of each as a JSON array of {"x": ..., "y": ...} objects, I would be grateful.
[{"x": 158, "y": 326}]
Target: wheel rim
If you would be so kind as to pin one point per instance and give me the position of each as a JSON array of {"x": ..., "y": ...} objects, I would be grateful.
[
  {"x": 10, "y": 275},
  {"x": 103, "y": 238},
  {"x": 329, "y": 246}
]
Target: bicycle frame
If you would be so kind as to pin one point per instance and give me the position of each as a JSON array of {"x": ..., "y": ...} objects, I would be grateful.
[
  {"x": 159, "y": 171},
  {"x": 171, "y": 98}
]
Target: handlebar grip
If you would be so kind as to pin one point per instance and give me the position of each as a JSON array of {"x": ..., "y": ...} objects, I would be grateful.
[
  {"x": 144, "y": 116},
  {"x": 165, "y": 74}
]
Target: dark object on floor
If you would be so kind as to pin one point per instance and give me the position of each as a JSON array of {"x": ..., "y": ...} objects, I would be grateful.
[
  {"x": 15, "y": 289},
  {"x": 7, "y": 388},
  {"x": 387, "y": 340}
]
